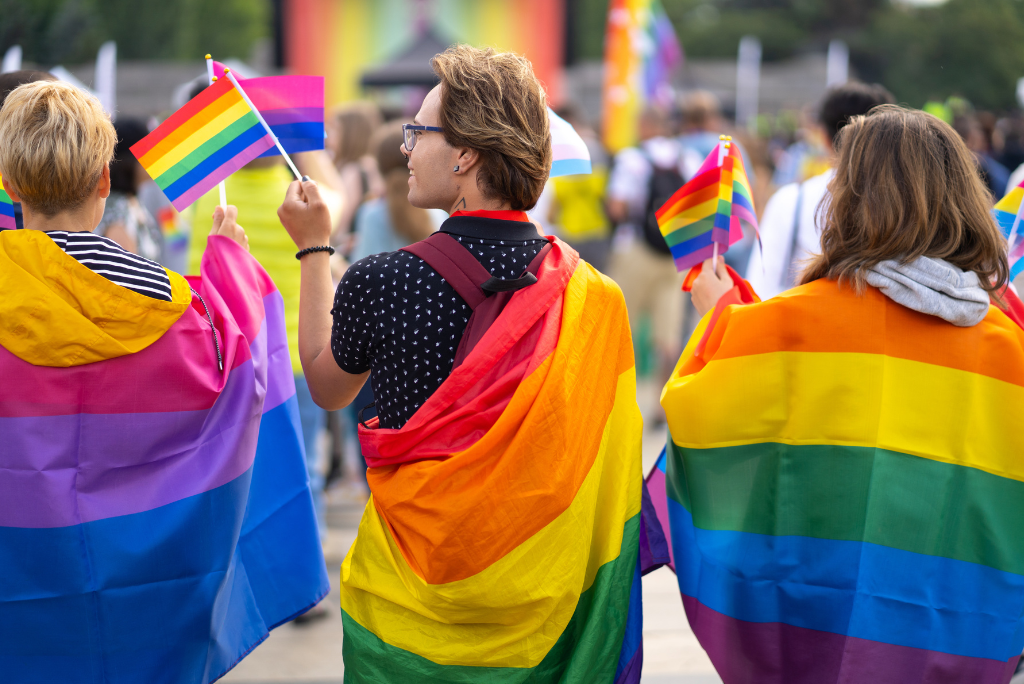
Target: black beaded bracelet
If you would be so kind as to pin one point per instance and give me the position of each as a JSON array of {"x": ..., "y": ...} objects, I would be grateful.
[{"x": 310, "y": 250}]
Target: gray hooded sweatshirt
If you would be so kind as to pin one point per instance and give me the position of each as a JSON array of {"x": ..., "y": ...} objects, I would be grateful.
[{"x": 932, "y": 286}]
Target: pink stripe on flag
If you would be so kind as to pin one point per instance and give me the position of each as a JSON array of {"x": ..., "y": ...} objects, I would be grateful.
[
  {"x": 185, "y": 199},
  {"x": 7, "y": 222}
]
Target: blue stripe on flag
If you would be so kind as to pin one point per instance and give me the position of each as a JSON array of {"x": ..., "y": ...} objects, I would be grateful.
[
  {"x": 570, "y": 167},
  {"x": 215, "y": 161},
  {"x": 853, "y": 588}
]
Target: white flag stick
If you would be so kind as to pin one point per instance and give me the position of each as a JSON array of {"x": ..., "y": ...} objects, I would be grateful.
[
  {"x": 266, "y": 126},
  {"x": 220, "y": 186}
]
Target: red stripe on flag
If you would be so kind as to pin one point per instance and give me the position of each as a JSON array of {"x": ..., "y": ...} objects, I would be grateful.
[{"x": 197, "y": 104}]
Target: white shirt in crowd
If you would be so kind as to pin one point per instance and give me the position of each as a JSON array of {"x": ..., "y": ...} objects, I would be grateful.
[
  {"x": 777, "y": 267},
  {"x": 631, "y": 173}
]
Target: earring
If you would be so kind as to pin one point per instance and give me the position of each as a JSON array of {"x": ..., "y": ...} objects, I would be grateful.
[{"x": 456, "y": 169}]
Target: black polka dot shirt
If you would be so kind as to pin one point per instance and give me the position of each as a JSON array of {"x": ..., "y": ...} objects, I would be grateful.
[{"x": 396, "y": 317}]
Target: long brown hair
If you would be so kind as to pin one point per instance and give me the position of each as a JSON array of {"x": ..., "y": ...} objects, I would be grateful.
[
  {"x": 410, "y": 223},
  {"x": 906, "y": 186}
]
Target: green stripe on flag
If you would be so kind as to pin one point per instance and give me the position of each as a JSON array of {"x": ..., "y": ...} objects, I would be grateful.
[
  {"x": 587, "y": 652},
  {"x": 691, "y": 231},
  {"x": 208, "y": 148},
  {"x": 851, "y": 493}
]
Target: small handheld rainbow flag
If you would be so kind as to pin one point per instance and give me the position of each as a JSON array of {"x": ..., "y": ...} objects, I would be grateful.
[
  {"x": 212, "y": 136},
  {"x": 1008, "y": 213},
  {"x": 6, "y": 210},
  {"x": 703, "y": 217}
]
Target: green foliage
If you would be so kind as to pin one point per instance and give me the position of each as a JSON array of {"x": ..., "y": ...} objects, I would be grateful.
[
  {"x": 970, "y": 48},
  {"x": 69, "y": 31}
]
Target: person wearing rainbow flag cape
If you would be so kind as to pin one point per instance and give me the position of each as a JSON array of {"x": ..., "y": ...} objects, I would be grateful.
[
  {"x": 845, "y": 487},
  {"x": 505, "y": 536},
  {"x": 155, "y": 517}
]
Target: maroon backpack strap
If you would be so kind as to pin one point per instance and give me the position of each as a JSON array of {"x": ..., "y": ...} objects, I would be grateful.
[{"x": 455, "y": 264}]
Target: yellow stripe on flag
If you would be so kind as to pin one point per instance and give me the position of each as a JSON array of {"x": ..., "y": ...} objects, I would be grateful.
[
  {"x": 201, "y": 136},
  {"x": 853, "y": 399},
  {"x": 513, "y": 612}
]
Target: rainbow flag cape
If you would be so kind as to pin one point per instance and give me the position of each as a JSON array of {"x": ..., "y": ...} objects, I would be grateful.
[
  {"x": 846, "y": 492},
  {"x": 1008, "y": 215},
  {"x": 293, "y": 107},
  {"x": 708, "y": 209},
  {"x": 212, "y": 136},
  {"x": 6, "y": 210},
  {"x": 155, "y": 515},
  {"x": 569, "y": 154},
  {"x": 504, "y": 539},
  {"x": 641, "y": 52}
]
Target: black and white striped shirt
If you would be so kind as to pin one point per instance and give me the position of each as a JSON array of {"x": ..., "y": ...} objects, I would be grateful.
[{"x": 108, "y": 259}]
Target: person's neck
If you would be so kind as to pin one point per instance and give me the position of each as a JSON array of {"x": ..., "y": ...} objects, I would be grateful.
[
  {"x": 470, "y": 198},
  {"x": 78, "y": 221}
]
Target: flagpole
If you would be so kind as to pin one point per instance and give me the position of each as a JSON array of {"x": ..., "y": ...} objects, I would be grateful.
[
  {"x": 723, "y": 150},
  {"x": 266, "y": 126},
  {"x": 220, "y": 186}
]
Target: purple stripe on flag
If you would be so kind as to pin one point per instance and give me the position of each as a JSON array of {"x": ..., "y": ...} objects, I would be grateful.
[
  {"x": 7, "y": 222},
  {"x": 276, "y": 117},
  {"x": 631, "y": 675},
  {"x": 688, "y": 261},
  {"x": 280, "y": 377},
  {"x": 656, "y": 485},
  {"x": 188, "y": 452},
  {"x": 185, "y": 199},
  {"x": 777, "y": 653}
]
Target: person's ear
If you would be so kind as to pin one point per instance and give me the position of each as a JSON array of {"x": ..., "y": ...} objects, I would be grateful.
[
  {"x": 103, "y": 187},
  {"x": 10, "y": 191},
  {"x": 467, "y": 157}
]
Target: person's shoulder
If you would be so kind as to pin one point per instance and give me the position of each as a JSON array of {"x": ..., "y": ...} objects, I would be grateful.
[{"x": 380, "y": 264}]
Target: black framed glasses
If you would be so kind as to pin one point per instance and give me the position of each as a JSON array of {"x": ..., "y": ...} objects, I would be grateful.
[{"x": 411, "y": 132}]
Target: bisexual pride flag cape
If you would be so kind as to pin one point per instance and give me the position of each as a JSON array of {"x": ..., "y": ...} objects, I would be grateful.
[
  {"x": 504, "y": 540},
  {"x": 155, "y": 518},
  {"x": 846, "y": 492}
]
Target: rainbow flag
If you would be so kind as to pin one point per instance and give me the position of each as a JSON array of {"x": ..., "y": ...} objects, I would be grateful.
[
  {"x": 1008, "y": 214},
  {"x": 155, "y": 515},
  {"x": 505, "y": 539},
  {"x": 293, "y": 107},
  {"x": 6, "y": 210},
  {"x": 708, "y": 209},
  {"x": 846, "y": 492},
  {"x": 641, "y": 52},
  {"x": 212, "y": 136}
]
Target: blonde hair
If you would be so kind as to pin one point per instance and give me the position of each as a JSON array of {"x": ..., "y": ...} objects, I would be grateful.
[
  {"x": 906, "y": 186},
  {"x": 54, "y": 142},
  {"x": 493, "y": 103}
]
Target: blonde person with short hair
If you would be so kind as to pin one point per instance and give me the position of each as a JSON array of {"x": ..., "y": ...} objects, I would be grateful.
[
  {"x": 503, "y": 375},
  {"x": 132, "y": 403}
]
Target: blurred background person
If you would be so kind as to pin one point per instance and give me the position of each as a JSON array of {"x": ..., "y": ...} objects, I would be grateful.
[
  {"x": 993, "y": 174},
  {"x": 700, "y": 125},
  {"x": 349, "y": 135},
  {"x": 642, "y": 179},
  {"x": 790, "y": 232},
  {"x": 576, "y": 212},
  {"x": 125, "y": 220}
]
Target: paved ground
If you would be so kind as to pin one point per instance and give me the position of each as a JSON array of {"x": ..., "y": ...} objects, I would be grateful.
[{"x": 311, "y": 653}]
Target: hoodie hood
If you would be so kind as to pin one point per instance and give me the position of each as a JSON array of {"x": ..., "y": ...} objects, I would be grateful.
[
  {"x": 56, "y": 312},
  {"x": 934, "y": 287}
]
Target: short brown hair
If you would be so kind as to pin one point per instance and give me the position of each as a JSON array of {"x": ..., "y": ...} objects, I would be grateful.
[
  {"x": 906, "y": 186},
  {"x": 54, "y": 142},
  {"x": 493, "y": 103}
]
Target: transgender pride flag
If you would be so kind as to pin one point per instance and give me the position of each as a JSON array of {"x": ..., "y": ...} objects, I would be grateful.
[{"x": 155, "y": 516}]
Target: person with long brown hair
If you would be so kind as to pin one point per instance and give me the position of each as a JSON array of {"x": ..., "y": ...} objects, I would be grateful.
[{"x": 845, "y": 485}]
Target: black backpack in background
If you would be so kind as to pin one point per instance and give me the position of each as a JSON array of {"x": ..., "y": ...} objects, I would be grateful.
[{"x": 663, "y": 184}]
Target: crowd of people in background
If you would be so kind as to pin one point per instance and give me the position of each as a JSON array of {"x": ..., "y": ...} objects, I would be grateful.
[{"x": 607, "y": 216}]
